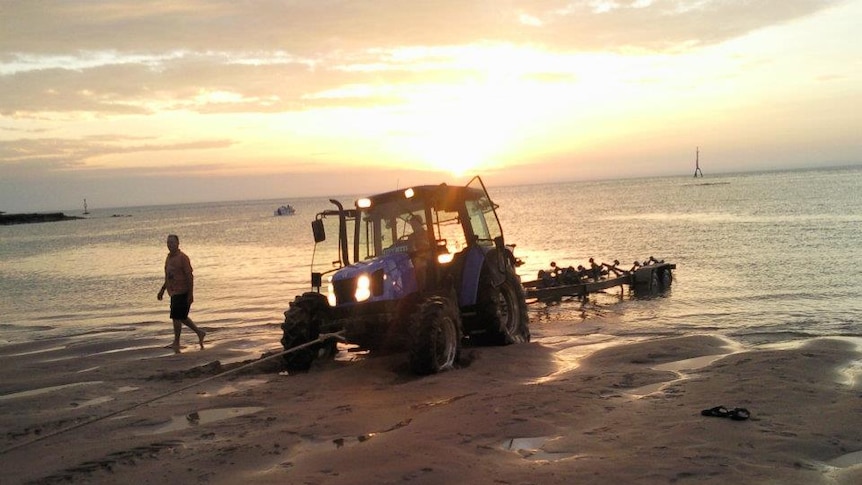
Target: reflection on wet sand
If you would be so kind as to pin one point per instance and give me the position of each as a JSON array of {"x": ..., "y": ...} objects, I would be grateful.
[
  {"x": 45, "y": 390},
  {"x": 196, "y": 418},
  {"x": 573, "y": 349}
]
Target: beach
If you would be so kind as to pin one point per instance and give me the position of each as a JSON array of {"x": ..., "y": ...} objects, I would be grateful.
[
  {"x": 763, "y": 315},
  {"x": 575, "y": 405}
]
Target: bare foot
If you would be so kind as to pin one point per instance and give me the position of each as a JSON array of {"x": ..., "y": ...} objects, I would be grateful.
[
  {"x": 175, "y": 346},
  {"x": 201, "y": 338}
]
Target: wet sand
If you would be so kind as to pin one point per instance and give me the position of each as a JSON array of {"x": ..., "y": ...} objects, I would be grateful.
[{"x": 573, "y": 406}]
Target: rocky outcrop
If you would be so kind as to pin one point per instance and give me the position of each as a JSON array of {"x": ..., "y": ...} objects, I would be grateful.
[{"x": 8, "y": 219}]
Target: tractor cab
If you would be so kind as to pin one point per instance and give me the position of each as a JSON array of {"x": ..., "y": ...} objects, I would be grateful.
[{"x": 424, "y": 226}]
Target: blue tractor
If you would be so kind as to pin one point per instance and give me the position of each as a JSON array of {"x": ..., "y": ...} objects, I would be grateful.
[{"x": 424, "y": 269}]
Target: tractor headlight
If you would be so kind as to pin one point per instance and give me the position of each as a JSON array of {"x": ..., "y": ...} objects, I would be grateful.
[
  {"x": 363, "y": 288},
  {"x": 445, "y": 258},
  {"x": 330, "y": 292}
]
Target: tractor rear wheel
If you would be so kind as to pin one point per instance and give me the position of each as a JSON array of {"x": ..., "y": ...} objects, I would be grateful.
[
  {"x": 301, "y": 325},
  {"x": 503, "y": 309},
  {"x": 435, "y": 336}
]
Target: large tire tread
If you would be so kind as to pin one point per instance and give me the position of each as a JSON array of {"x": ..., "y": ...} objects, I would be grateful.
[
  {"x": 435, "y": 336},
  {"x": 301, "y": 325},
  {"x": 504, "y": 312}
]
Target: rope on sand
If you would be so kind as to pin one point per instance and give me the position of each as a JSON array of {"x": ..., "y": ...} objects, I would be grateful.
[{"x": 321, "y": 339}]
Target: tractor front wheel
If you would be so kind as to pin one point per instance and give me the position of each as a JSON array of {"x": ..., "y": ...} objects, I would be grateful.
[
  {"x": 301, "y": 325},
  {"x": 435, "y": 336}
]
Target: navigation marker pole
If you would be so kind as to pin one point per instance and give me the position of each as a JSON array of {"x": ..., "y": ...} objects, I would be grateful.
[{"x": 697, "y": 163}]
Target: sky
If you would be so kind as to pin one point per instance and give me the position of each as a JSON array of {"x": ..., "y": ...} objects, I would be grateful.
[{"x": 129, "y": 103}]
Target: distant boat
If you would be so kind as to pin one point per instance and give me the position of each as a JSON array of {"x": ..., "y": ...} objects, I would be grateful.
[
  {"x": 285, "y": 210},
  {"x": 85, "y": 207}
]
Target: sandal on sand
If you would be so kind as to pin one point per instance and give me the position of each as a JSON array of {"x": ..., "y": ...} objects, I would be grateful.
[
  {"x": 718, "y": 412},
  {"x": 736, "y": 414},
  {"x": 739, "y": 414}
]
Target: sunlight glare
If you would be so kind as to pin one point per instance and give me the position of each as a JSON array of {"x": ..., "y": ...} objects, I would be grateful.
[{"x": 459, "y": 128}]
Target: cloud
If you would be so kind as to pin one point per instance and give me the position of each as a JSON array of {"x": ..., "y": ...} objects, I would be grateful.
[
  {"x": 127, "y": 57},
  {"x": 34, "y": 157},
  {"x": 311, "y": 27}
]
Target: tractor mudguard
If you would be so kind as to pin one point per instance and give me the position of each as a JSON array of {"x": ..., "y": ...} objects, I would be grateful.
[
  {"x": 496, "y": 266},
  {"x": 475, "y": 259},
  {"x": 473, "y": 262}
]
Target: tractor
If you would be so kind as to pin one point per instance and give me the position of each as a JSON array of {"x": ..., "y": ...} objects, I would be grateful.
[{"x": 424, "y": 270}]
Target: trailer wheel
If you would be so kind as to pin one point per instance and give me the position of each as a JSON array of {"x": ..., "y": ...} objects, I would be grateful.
[
  {"x": 666, "y": 278},
  {"x": 654, "y": 283},
  {"x": 435, "y": 336},
  {"x": 301, "y": 325},
  {"x": 504, "y": 312}
]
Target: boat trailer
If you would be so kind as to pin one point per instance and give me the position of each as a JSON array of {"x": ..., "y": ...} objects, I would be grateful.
[{"x": 647, "y": 278}]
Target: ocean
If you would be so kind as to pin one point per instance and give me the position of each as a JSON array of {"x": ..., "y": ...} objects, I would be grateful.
[{"x": 761, "y": 257}]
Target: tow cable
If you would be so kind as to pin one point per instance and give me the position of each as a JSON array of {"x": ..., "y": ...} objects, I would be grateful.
[{"x": 321, "y": 339}]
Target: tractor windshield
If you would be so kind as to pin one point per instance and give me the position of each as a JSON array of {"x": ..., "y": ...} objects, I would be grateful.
[
  {"x": 393, "y": 226},
  {"x": 445, "y": 218}
]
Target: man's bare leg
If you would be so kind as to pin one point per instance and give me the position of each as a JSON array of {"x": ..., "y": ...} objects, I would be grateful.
[
  {"x": 178, "y": 329},
  {"x": 201, "y": 333}
]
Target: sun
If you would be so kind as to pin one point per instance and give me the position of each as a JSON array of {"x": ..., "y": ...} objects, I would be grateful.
[
  {"x": 456, "y": 141},
  {"x": 459, "y": 129},
  {"x": 483, "y": 116},
  {"x": 479, "y": 108}
]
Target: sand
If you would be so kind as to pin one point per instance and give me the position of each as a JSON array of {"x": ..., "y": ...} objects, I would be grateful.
[{"x": 569, "y": 407}]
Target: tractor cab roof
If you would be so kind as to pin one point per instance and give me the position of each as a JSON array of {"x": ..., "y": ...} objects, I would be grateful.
[{"x": 442, "y": 196}]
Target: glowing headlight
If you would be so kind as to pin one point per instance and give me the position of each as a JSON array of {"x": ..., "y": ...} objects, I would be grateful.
[
  {"x": 363, "y": 288},
  {"x": 445, "y": 258},
  {"x": 330, "y": 292}
]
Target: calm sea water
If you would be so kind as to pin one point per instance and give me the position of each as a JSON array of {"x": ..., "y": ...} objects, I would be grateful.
[{"x": 760, "y": 257}]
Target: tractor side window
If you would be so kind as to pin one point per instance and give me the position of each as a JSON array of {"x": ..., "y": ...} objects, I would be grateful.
[
  {"x": 369, "y": 246},
  {"x": 448, "y": 228},
  {"x": 483, "y": 221}
]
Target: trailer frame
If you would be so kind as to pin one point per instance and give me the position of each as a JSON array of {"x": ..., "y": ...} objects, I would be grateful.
[{"x": 644, "y": 279}]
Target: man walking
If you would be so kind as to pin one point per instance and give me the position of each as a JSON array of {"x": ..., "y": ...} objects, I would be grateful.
[{"x": 179, "y": 284}]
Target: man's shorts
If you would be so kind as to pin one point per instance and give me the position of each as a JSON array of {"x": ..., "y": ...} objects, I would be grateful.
[{"x": 180, "y": 306}]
